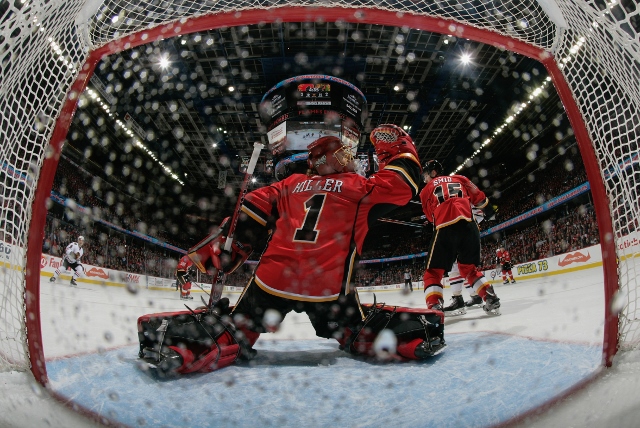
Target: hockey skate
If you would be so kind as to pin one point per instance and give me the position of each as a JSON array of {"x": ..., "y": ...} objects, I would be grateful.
[
  {"x": 73, "y": 283},
  {"x": 431, "y": 348},
  {"x": 438, "y": 306},
  {"x": 475, "y": 300},
  {"x": 52, "y": 279},
  {"x": 506, "y": 281},
  {"x": 491, "y": 302},
  {"x": 513, "y": 281},
  {"x": 457, "y": 307}
]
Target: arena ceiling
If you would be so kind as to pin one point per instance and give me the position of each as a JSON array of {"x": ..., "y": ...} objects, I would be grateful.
[{"x": 193, "y": 100}]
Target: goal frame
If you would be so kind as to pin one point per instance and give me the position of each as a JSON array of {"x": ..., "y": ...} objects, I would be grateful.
[{"x": 306, "y": 14}]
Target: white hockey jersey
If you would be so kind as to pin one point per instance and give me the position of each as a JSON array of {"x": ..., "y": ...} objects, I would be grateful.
[{"x": 73, "y": 252}]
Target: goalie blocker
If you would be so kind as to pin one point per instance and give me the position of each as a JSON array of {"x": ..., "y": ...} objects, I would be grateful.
[
  {"x": 209, "y": 254},
  {"x": 175, "y": 343}
]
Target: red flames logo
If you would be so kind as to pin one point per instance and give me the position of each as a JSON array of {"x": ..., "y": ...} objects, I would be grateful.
[
  {"x": 576, "y": 257},
  {"x": 97, "y": 273},
  {"x": 43, "y": 262}
]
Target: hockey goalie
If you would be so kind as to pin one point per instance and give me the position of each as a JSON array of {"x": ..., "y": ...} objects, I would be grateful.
[{"x": 316, "y": 223}]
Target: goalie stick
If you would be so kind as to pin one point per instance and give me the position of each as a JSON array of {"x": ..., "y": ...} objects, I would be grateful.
[{"x": 216, "y": 285}]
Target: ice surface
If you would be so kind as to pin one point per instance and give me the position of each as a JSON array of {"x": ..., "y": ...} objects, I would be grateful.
[{"x": 548, "y": 338}]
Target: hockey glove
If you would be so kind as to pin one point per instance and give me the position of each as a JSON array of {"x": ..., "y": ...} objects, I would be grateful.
[
  {"x": 200, "y": 255},
  {"x": 478, "y": 215},
  {"x": 229, "y": 261},
  {"x": 490, "y": 211}
]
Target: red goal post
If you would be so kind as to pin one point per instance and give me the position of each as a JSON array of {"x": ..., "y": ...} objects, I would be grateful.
[{"x": 50, "y": 49}]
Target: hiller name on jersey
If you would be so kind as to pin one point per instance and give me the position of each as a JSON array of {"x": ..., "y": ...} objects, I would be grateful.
[{"x": 323, "y": 185}]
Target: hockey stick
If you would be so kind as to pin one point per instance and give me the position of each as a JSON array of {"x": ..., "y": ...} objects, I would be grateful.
[
  {"x": 201, "y": 298},
  {"x": 405, "y": 223},
  {"x": 216, "y": 286}
]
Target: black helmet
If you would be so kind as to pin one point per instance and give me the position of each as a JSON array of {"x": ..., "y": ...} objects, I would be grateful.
[{"x": 433, "y": 165}]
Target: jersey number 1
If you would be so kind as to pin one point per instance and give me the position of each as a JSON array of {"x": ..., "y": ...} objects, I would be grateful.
[{"x": 308, "y": 231}]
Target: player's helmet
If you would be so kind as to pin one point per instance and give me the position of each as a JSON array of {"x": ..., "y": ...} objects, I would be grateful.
[
  {"x": 80, "y": 238},
  {"x": 433, "y": 165},
  {"x": 327, "y": 155},
  {"x": 390, "y": 141}
]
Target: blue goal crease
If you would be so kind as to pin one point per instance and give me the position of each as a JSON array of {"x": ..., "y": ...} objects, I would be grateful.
[{"x": 481, "y": 379}]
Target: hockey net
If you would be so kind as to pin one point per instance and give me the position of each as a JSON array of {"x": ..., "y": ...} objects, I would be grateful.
[{"x": 48, "y": 49}]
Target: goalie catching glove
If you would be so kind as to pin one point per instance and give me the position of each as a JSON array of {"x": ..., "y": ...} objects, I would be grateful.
[
  {"x": 392, "y": 142},
  {"x": 210, "y": 253}
]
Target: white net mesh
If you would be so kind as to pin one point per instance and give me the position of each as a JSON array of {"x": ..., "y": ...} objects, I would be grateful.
[
  {"x": 603, "y": 75},
  {"x": 43, "y": 44},
  {"x": 34, "y": 80}
]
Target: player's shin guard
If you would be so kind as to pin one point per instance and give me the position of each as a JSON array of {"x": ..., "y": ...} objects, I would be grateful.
[
  {"x": 432, "y": 279},
  {"x": 419, "y": 333}
]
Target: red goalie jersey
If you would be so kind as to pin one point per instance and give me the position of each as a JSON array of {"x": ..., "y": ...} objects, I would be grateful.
[
  {"x": 448, "y": 199},
  {"x": 324, "y": 219}
]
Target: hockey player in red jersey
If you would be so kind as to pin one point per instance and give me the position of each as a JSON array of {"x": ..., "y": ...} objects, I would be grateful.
[
  {"x": 183, "y": 278},
  {"x": 456, "y": 281},
  {"x": 317, "y": 224},
  {"x": 447, "y": 202},
  {"x": 321, "y": 220},
  {"x": 503, "y": 258}
]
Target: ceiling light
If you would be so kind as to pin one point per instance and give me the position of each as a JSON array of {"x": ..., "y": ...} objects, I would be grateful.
[{"x": 164, "y": 62}]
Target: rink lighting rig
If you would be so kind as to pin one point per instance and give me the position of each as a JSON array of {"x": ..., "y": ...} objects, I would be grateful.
[
  {"x": 96, "y": 98},
  {"x": 520, "y": 107},
  {"x": 94, "y": 95}
]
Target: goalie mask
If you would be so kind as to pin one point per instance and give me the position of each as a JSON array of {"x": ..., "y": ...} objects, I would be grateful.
[
  {"x": 390, "y": 142},
  {"x": 327, "y": 155}
]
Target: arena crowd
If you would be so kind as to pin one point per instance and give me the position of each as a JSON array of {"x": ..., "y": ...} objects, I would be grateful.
[{"x": 567, "y": 228}]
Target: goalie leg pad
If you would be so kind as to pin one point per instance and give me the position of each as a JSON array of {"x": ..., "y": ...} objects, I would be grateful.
[
  {"x": 419, "y": 332},
  {"x": 223, "y": 353},
  {"x": 188, "y": 341},
  {"x": 186, "y": 357}
]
